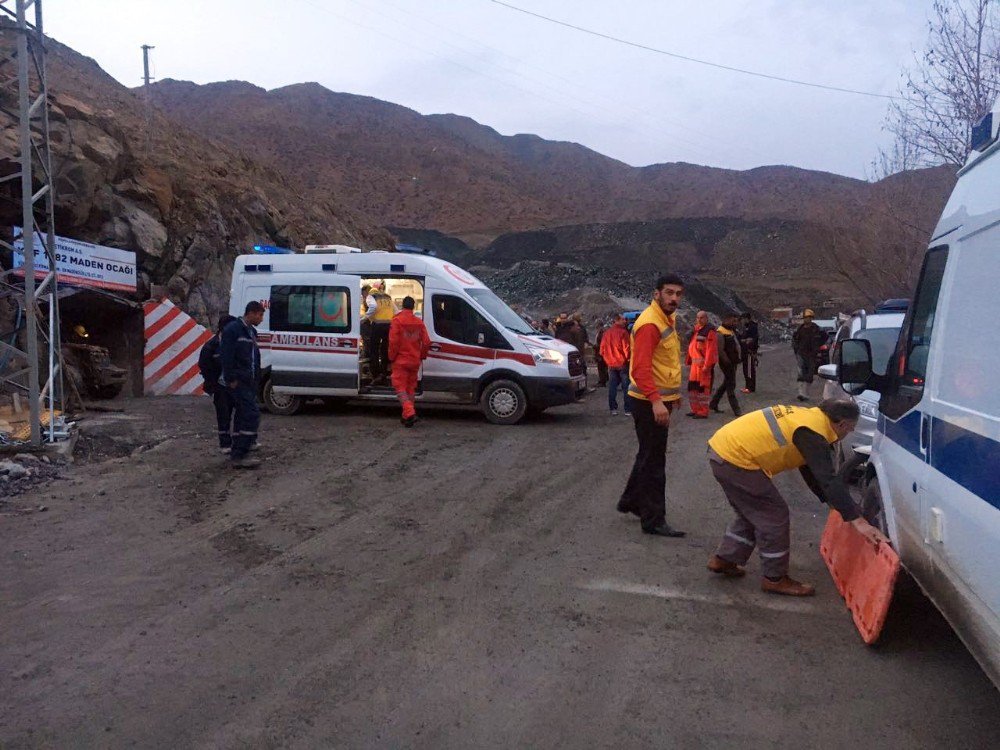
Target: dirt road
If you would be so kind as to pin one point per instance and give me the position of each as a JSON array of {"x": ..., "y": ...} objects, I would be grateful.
[{"x": 455, "y": 585}]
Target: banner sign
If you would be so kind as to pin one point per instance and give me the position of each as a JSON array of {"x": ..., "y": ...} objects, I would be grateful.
[{"x": 81, "y": 264}]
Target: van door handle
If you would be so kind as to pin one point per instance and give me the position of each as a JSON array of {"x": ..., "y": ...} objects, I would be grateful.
[
  {"x": 435, "y": 347},
  {"x": 925, "y": 433}
]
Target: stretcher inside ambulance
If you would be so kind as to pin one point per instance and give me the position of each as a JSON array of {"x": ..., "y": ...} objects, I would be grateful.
[{"x": 324, "y": 334}]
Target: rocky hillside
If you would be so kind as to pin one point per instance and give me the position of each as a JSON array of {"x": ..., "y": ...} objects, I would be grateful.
[
  {"x": 778, "y": 234},
  {"x": 185, "y": 204}
]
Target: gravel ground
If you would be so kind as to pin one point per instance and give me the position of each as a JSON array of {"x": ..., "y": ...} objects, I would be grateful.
[{"x": 455, "y": 585}]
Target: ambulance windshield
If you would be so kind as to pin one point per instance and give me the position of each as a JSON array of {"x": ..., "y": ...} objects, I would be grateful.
[{"x": 500, "y": 312}]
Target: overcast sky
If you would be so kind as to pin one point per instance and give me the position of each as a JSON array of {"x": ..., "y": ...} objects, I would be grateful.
[{"x": 519, "y": 74}]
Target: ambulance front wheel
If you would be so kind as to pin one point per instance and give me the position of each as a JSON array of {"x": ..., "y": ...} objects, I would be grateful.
[
  {"x": 504, "y": 402},
  {"x": 284, "y": 404}
]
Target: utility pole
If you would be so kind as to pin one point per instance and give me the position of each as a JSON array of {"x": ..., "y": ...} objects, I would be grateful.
[
  {"x": 145, "y": 67},
  {"x": 35, "y": 168},
  {"x": 146, "y": 93}
]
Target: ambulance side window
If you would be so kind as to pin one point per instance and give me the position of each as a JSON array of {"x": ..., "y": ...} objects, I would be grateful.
[
  {"x": 457, "y": 320},
  {"x": 908, "y": 366},
  {"x": 310, "y": 309}
]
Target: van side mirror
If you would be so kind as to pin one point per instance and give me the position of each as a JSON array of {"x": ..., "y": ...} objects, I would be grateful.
[{"x": 854, "y": 365}]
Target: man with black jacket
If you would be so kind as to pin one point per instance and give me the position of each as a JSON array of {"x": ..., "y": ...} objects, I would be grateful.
[
  {"x": 240, "y": 369},
  {"x": 729, "y": 357},
  {"x": 749, "y": 351},
  {"x": 806, "y": 342},
  {"x": 210, "y": 366}
]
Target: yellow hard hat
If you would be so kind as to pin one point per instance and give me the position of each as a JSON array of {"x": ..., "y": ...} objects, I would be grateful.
[
  {"x": 80, "y": 331},
  {"x": 807, "y": 313}
]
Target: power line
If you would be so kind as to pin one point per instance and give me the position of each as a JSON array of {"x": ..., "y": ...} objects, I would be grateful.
[
  {"x": 686, "y": 58},
  {"x": 710, "y": 152}
]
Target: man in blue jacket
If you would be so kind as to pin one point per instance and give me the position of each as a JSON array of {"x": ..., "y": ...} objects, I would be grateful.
[{"x": 240, "y": 367}]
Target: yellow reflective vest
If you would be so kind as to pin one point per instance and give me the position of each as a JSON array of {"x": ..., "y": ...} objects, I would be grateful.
[
  {"x": 383, "y": 310},
  {"x": 762, "y": 440},
  {"x": 666, "y": 356}
]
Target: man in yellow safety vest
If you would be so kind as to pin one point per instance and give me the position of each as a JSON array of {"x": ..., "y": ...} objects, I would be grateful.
[
  {"x": 655, "y": 390},
  {"x": 380, "y": 311},
  {"x": 747, "y": 452}
]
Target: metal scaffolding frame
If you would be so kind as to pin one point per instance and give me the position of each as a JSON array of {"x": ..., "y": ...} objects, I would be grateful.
[{"x": 38, "y": 218}]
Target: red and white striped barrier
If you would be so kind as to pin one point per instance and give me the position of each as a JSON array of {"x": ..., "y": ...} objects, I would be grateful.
[{"x": 173, "y": 342}]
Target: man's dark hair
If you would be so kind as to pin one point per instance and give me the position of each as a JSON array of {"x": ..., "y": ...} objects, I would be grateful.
[
  {"x": 409, "y": 303},
  {"x": 838, "y": 409},
  {"x": 253, "y": 307},
  {"x": 730, "y": 314},
  {"x": 225, "y": 320},
  {"x": 669, "y": 278},
  {"x": 748, "y": 315}
]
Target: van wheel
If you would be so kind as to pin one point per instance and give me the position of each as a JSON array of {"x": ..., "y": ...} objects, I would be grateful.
[
  {"x": 504, "y": 402},
  {"x": 283, "y": 404},
  {"x": 872, "y": 508}
]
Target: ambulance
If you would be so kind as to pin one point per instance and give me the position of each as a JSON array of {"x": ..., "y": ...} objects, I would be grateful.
[
  {"x": 313, "y": 344},
  {"x": 933, "y": 479}
]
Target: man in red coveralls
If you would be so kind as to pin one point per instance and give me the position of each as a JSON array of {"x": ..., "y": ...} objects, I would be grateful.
[
  {"x": 702, "y": 354},
  {"x": 615, "y": 350},
  {"x": 408, "y": 347}
]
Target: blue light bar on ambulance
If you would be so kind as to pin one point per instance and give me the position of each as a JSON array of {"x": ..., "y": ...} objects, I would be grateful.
[{"x": 272, "y": 250}]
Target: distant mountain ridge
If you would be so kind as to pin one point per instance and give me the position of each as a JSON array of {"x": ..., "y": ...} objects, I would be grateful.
[{"x": 451, "y": 174}]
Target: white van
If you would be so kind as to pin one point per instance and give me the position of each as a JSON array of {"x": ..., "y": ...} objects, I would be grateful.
[
  {"x": 882, "y": 331},
  {"x": 482, "y": 352},
  {"x": 934, "y": 473}
]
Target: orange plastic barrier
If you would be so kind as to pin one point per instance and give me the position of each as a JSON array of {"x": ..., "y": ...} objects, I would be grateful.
[{"x": 865, "y": 574}]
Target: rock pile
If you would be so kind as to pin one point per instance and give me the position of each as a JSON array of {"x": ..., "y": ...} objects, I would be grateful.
[
  {"x": 133, "y": 179},
  {"x": 23, "y": 471},
  {"x": 543, "y": 290}
]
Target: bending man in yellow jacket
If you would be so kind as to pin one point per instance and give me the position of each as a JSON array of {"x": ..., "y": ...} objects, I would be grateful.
[{"x": 747, "y": 452}]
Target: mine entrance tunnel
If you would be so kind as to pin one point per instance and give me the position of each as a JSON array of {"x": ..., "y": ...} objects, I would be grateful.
[{"x": 102, "y": 342}]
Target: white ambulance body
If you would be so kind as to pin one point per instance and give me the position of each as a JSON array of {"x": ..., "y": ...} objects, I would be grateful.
[
  {"x": 312, "y": 343},
  {"x": 933, "y": 479}
]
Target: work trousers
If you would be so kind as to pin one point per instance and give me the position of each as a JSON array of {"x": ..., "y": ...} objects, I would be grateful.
[
  {"x": 378, "y": 357},
  {"x": 646, "y": 491},
  {"x": 366, "y": 338},
  {"x": 602, "y": 370},
  {"x": 699, "y": 393},
  {"x": 247, "y": 418},
  {"x": 729, "y": 388},
  {"x": 618, "y": 379},
  {"x": 223, "y": 401},
  {"x": 404, "y": 381},
  {"x": 807, "y": 368},
  {"x": 750, "y": 369},
  {"x": 762, "y": 519}
]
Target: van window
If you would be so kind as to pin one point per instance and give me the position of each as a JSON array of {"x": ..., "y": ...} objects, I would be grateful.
[
  {"x": 922, "y": 325},
  {"x": 969, "y": 348},
  {"x": 457, "y": 320},
  {"x": 883, "y": 342},
  {"x": 915, "y": 343},
  {"x": 310, "y": 309},
  {"x": 501, "y": 312}
]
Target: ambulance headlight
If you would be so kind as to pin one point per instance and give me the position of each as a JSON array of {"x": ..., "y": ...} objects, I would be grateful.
[{"x": 548, "y": 356}]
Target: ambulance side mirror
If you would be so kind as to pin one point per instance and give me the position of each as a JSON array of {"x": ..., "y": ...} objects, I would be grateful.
[{"x": 854, "y": 365}]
